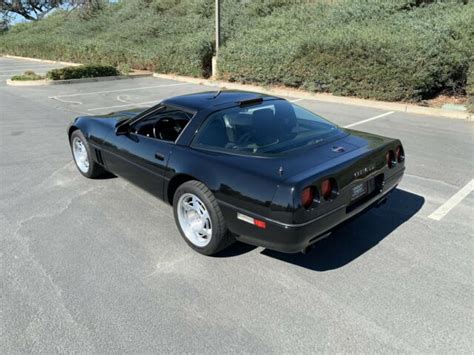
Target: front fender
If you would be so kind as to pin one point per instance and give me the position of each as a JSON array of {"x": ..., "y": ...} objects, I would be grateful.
[{"x": 94, "y": 129}]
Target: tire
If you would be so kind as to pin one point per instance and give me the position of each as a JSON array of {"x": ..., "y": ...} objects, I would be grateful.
[
  {"x": 81, "y": 154},
  {"x": 205, "y": 233}
]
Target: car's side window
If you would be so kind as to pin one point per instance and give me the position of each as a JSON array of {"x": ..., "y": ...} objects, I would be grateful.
[{"x": 166, "y": 124}]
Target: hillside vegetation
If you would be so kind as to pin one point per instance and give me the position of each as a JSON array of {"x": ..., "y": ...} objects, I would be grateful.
[{"x": 382, "y": 49}]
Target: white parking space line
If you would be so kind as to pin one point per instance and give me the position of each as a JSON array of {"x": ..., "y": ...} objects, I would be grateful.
[
  {"x": 19, "y": 67},
  {"x": 126, "y": 105},
  {"x": 124, "y": 98},
  {"x": 31, "y": 67},
  {"x": 66, "y": 101},
  {"x": 118, "y": 90},
  {"x": 296, "y": 100},
  {"x": 369, "y": 119},
  {"x": 444, "y": 209}
]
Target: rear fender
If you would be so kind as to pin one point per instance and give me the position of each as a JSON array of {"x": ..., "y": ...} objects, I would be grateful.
[
  {"x": 231, "y": 184},
  {"x": 348, "y": 170}
]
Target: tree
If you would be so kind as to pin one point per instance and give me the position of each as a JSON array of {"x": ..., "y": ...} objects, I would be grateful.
[
  {"x": 32, "y": 10},
  {"x": 3, "y": 25},
  {"x": 88, "y": 8}
]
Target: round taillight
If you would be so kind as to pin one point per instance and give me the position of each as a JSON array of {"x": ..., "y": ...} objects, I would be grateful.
[
  {"x": 400, "y": 154},
  {"x": 307, "y": 196},
  {"x": 391, "y": 159},
  {"x": 327, "y": 187}
]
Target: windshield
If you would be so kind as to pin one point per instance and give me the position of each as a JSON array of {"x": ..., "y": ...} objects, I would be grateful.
[{"x": 269, "y": 128}]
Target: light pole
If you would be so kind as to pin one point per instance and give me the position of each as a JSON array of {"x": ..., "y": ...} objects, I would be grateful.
[
  {"x": 218, "y": 38},
  {"x": 218, "y": 26}
]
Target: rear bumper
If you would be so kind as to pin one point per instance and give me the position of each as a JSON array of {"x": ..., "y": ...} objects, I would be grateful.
[{"x": 293, "y": 238}]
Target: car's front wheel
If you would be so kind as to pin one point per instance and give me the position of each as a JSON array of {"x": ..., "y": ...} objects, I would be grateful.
[
  {"x": 199, "y": 218},
  {"x": 82, "y": 156}
]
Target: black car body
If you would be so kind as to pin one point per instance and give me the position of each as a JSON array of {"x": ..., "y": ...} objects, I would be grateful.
[{"x": 284, "y": 201}]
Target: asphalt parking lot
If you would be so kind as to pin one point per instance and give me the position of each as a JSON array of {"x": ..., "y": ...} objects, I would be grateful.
[{"x": 99, "y": 265}]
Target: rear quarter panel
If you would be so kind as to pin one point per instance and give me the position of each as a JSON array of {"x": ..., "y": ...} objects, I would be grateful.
[{"x": 233, "y": 179}]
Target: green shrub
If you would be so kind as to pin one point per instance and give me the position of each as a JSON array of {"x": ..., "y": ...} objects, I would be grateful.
[
  {"x": 28, "y": 75},
  {"x": 124, "y": 68},
  {"x": 361, "y": 48},
  {"x": 470, "y": 88},
  {"x": 83, "y": 71}
]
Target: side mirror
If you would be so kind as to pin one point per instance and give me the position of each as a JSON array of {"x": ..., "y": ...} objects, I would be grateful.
[{"x": 122, "y": 129}]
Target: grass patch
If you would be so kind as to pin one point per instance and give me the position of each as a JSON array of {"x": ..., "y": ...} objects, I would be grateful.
[{"x": 27, "y": 75}]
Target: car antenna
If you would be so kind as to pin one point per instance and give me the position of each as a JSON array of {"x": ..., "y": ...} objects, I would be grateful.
[
  {"x": 217, "y": 93},
  {"x": 280, "y": 170}
]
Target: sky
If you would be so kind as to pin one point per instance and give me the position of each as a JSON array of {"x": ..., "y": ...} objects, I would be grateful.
[{"x": 19, "y": 19}]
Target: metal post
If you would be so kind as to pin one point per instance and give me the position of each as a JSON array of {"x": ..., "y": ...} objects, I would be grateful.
[
  {"x": 218, "y": 38},
  {"x": 218, "y": 26}
]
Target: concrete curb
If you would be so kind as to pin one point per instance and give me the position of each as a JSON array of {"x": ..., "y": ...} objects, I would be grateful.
[
  {"x": 390, "y": 106},
  {"x": 73, "y": 81},
  {"x": 41, "y": 60}
]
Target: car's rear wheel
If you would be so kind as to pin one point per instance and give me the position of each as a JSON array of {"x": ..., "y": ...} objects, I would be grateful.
[
  {"x": 82, "y": 156},
  {"x": 199, "y": 218}
]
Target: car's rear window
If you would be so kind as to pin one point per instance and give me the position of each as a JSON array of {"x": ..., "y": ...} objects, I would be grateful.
[{"x": 268, "y": 128}]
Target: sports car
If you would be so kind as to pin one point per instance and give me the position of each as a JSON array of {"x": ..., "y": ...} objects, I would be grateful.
[{"x": 242, "y": 166}]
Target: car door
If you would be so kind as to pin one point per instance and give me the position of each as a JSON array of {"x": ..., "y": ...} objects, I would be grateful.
[{"x": 141, "y": 159}]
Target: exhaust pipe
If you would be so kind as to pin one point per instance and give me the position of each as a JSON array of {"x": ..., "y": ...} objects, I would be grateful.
[
  {"x": 313, "y": 241},
  {"x": 381, "y": 202}
]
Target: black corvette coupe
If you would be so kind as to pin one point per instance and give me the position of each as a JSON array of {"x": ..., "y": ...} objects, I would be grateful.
[{"x": 241, "y": 165}]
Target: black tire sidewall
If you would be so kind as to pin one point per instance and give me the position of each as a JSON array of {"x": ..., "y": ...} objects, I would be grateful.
[
  {"x": 78, "y": 134},
  {"x": 218, "y": 227}
]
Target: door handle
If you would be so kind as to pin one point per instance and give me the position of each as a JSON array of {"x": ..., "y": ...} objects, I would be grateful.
[{"x": 159, "y": 156}]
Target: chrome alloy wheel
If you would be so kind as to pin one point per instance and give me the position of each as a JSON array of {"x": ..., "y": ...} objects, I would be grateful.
[
  {"x": 80, "y": 154},
  {"x": 194, "y": 220}
]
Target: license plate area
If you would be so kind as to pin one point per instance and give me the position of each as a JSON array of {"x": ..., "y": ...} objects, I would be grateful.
[
  {"x": 364, "y": 191},
  {"x": 359, "y": 190}
]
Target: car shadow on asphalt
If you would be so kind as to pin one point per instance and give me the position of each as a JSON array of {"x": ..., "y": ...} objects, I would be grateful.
[
  {"x": 357, "y": 236},
  {"x": 105, "y": 176},
  {"x": 236, "y": 249}
]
